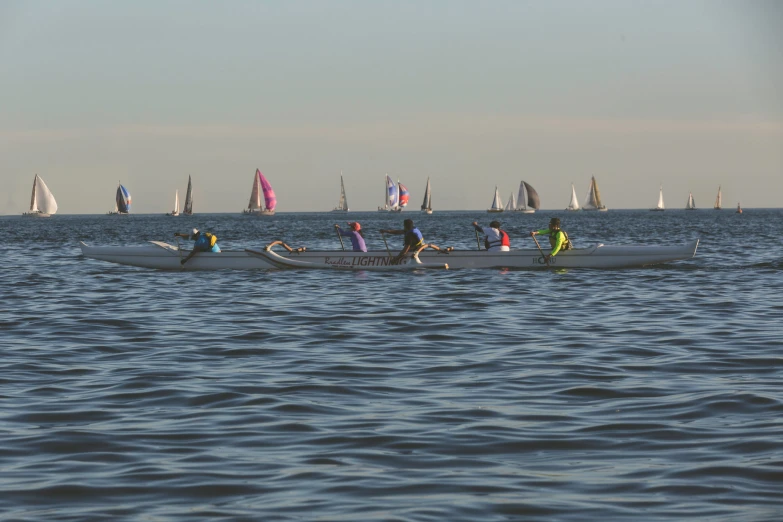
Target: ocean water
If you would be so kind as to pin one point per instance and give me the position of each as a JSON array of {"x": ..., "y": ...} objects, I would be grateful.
[{"x": 491, "y": 395}]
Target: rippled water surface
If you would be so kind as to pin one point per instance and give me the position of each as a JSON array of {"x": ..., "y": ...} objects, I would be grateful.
[{"x": 490, "y": 395}]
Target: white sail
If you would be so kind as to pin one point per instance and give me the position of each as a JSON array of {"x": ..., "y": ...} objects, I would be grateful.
[
  {"x": 41, "y": 200},
  {"x": 176, "y": 202},
  {"x": 512, "y": 203},
  {"x": 718, "y": 200},
  {"x": 255, "y": 195},
  {"x": 660, "y": 205},
  {"x": 188, "y": 210},
  {"x": 691, "y": 205},
  {"x": 426, "y": 205},
  {"x": 497, "y": 205},
  {"x": 521, "y": 198},
  {"x": 342, "y": 204},
  {"x": 593, "y": 200},
  {"x": 574, "y": 203}
]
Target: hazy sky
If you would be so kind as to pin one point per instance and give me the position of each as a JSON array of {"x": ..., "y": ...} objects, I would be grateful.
[{"x": 472, "y": 94}]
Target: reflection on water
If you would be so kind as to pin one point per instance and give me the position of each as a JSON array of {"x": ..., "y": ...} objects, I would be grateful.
[{"x": 433, "y": 395}]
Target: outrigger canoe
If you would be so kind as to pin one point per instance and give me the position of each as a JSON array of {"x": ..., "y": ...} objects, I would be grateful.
[{"x": 163, "y": 256}]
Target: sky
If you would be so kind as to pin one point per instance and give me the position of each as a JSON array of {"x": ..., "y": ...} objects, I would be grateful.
[{"x": 685, "y": 94}]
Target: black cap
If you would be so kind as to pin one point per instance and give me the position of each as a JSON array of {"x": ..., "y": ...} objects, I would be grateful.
[
  {"x": 555, "y": 221},
  {"x": 495, "y": 224}
]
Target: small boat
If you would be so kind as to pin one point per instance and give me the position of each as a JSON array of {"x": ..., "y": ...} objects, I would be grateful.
[
  {"x": 342, "y": 204},
  {"x": 691, "y": 205},
  {"x": 392, "y": 197},
  {"x": 188, "y": 210},
  {"x": 497, "y": 206},
  {"x": 593, "y": 200},
  {"x": 122, "y": 201},
  {"x": 261, "y": 186},
  {"x": 175, "y": 212},
  {"x": 163, "y": 256},
  {"x": 573, "y": 205},
  {"x": 512, "y": 203},
  {"x": 426, "y": 205},
  {"x": 533, "y": 202},
  {"x": 660, "y": 207},
  {"x": 739, "y": 209},
  {"x": 42, "y": 203},
  {"x": 718, "y": 201}
]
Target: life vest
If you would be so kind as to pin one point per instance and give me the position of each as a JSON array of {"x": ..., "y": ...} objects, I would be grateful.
[
  {"x": 504, "y": 240},
  {"x": 566, "y": 242},
  {"x": 211, "y": 237}
]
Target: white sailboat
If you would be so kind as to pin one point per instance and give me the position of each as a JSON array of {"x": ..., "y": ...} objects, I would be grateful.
[
  {"x": 529, "y": 194},
  {"x": 660, "y": 207},
  {"x": 497, "y": 205},
  {"x": 188, "y": 210},
  {"x": 512, "y": 203},
  {"x": 718, "y": 201},
  {"x": 426, "y": 205},
  {"x": 342, "y": 205},
  {"x": 691, "y": 205},
  {"x": 593, "y": 200},
  {"x": 42, "y": 203},
  {"x": 175, "y": 212},
  {"x": 574, "y": 203}
]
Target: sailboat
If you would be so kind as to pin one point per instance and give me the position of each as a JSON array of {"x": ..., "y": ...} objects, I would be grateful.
[
  {"x": 392, "y": 197},
  {"x": 497, "y": 206},
  {"x": 574, "y": 204},
  {"x": 533, "y": 202},
  {"x": 342, "y": 205},
  {"x": 261, "y": 186},
  {"x": 512, "y": 203},
  {"x": 175, "y": 212},
  {"x": 593, "y": 201},
  {"x": 426, "y": 205},
  {"x": 188, "y": 210},
  {"x": 660, "y": 206},
  {"x": 691, "y": 205},
  {"x": 718, "y": 201},
  {"x": 42, "y": 203},
  {"x": 122, "y": 201},
  {"x": 739, "y": 209}
]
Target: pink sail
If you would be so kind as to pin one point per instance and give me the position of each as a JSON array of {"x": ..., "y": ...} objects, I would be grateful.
[{"x": 270, "y": 200}]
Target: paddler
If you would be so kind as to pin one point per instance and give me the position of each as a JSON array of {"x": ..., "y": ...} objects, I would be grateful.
[
  {"x": 413, "y": 239},
  {"x": 357, "y": 240},
  {"x": 558, "y": 239},
  {"x": 495, "y": 239},
  {"x": 204, "y": 242}
]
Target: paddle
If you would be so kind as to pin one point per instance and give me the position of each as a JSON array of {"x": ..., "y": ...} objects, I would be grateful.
[
  {"x": 478, "y": 243},
  {"x": 539, "y": 249},
  {"x": 337, "y": 230},
  {"x": 385, "y": 243}
]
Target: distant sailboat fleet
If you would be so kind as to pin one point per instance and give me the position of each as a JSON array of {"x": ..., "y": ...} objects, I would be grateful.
[{"x": 263, "y": 200}]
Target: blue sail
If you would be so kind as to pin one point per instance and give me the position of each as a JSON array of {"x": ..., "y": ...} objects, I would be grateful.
[
  {"x": 123, "y": 200},
  {"x": 392, "y": 192}
]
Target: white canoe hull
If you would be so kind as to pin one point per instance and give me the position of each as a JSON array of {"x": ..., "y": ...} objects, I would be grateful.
[{"x": 163, "y": 256}]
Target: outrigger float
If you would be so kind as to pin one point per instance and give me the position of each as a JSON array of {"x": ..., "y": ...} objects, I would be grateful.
[{"x": 163, "y": 256}]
